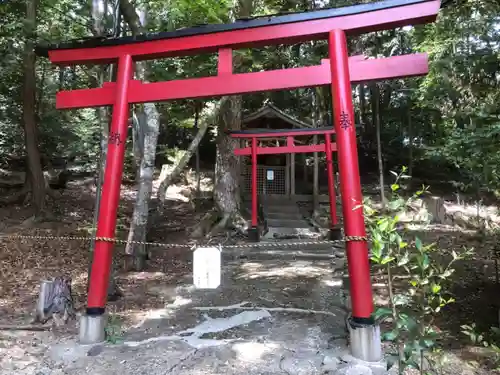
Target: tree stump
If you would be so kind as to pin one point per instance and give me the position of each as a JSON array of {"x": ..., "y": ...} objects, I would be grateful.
[
  {"x": 57, "y": 179},
  {"x": 436, "y": 210},
  {"x": 55, "y": 301}
]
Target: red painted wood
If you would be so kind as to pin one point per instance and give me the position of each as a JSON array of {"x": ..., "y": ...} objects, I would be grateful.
[
  {"x": 245, "y": 151},
  {"x": 106, "y": 226},
  {"x": 230, "y": 84},
  {"x": 255, "y": 212},
  {"x": 350, "y": 187},
  {"x": 294, "y": 133},
  {"x": 267, "y": 35}
]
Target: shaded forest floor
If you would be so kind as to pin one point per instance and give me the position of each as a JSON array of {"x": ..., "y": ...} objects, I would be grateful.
[{"x": 23, "y": 263}]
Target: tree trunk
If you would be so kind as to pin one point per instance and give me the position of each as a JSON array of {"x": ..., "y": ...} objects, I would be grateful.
[
  {"x": 227, "y": 195},
  {"x": 39, "y": 100},
  {"x": 138, "y": 122},
  {"x": 167, "y": 179},
  {"x": 362, "y": 115},
  {"x": 138, "y": 226},
  {"x": 55, "y": 301},
  {"x": 410, "y": 142},
  {"x": 376, "y": 120},
  {"x": 227, "y": 166},
  {"x": 35, "y": 178},
  {"x": 197, "y": 156},
  {"x": 98, "y": 16},
  {"x": 362, "y": 104},
  {"x": 150, "y": 126}
]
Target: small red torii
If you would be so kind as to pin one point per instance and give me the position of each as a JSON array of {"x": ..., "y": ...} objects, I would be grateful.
[
  {"x": 291, "y": 148},
  {"x": 340, "y": 71}
]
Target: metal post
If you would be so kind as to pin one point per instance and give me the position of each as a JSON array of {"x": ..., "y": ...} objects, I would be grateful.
[
  {"x": 365, "y": 336},
  {"x": 335, "y": 231},
  {"x": 103, "y": 253},
  {"x": 253, "y": 232}
]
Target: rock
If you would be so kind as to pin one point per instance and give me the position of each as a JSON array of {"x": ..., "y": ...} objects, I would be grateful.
[
  {"x": 356, "y": 366},
  {"x": 330, "y": 363},
  {"x": 358, "y": 370},
  {"x": 95, "y": 350},
  {"x": 298, "y": 366}
]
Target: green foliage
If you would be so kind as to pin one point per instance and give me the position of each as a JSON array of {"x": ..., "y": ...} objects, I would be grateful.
[
  {"x": 423, "y": 294},
  {"x": 452, "y": 110},
  {"x": 472, "y": 151},
  {"x": 113, "y": 330},
  {"x": 490, "y": 341},
  {"x": 462, "y": 89}
]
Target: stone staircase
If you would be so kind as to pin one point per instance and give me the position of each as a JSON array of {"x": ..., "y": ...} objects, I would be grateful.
[{"x": 286, "y": 221}]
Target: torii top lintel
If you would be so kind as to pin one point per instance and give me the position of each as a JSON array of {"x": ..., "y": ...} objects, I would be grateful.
[{"x": 259, "y": 31}]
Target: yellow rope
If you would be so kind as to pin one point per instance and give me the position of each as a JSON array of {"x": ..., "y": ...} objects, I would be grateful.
[{"x": 176, "y": 245}]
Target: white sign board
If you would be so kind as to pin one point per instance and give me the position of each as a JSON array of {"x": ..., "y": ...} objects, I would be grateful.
[
  {"x": 207, "y": 267},
  {"x": 270, "y": 175}
]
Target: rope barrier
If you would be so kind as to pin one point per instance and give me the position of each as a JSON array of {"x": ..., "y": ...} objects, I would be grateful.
[{"x": 179, "y": 245}]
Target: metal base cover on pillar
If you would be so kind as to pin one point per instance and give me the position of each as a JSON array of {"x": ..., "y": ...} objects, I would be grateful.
[
  {"x": 335, "y": 233},
  {"x": 92, "y": 329},
  {"x": 253, "y": 234},
  {"x": 365, "y": 341}
]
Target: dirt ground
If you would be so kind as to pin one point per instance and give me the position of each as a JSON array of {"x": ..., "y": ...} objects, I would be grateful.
[{"x": 160, "y": 324}]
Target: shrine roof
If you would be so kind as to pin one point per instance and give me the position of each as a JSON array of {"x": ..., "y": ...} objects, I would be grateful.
[
  {"x": 274, "y": 133},
  {"x": 240, "y": 24},
  {"x": 269, "y": 110}
]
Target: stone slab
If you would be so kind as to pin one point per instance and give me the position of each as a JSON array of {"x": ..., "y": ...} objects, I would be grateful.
[
  {"x": 288, "y": 223},
  {"x": 284, "y": 216},
  {"x": 286, "y": 233},
  {"x": 281, "y": 208}
]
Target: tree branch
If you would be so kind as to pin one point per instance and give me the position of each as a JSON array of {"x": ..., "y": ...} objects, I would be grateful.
[{"x": 166, "y": 180}]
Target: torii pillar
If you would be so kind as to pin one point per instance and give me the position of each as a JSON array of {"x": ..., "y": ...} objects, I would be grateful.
[{"x": 365, "y": 339}]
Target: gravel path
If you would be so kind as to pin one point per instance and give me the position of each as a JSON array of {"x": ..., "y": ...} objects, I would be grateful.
[{"x": 273, "y": 316}]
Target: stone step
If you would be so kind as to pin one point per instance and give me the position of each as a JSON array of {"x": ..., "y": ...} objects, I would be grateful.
[
  {"x": 308, "y": 244},
  {"x": 274, "y": 233},
  {"x": 284, "y": 216},
  {"x": 276, "y": 200},
  {"x": 279, "y": 249},
  {"x": 288, "y": 223},
  {"x": 282, "y": 255},
  {"x": 280, "y": 209}
]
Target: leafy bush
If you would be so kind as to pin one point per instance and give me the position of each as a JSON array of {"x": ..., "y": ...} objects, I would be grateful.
[{"x": 425, "y": 276}]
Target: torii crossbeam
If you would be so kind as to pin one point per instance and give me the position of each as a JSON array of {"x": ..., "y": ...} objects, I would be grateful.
[{"x": 339, "y": 71}]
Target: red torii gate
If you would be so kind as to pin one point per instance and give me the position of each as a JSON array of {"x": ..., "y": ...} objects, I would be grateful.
[
  {"x": 360, "y": 70},
  {"x": 328, "y": 147},
  {"x": 339, "y": 71}
]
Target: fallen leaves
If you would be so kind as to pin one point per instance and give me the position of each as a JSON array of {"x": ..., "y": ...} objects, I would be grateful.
[{"x": 24, "y": 263}]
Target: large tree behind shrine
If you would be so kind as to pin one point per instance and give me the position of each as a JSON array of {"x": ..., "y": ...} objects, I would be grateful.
[
  {"x": 227, "y": 168},
  {"x": 35, "y": 180}
]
